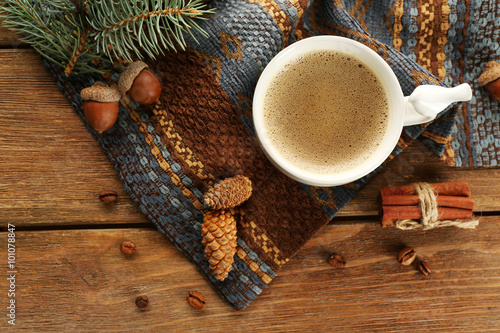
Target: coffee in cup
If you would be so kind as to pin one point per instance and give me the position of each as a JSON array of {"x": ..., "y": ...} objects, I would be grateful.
[
  {"x": 328, "y": 110},
  {"x": 325, "y": 112}
]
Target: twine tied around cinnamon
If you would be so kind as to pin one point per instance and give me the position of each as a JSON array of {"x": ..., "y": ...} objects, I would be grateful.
[{"x": 429, "y": 209}]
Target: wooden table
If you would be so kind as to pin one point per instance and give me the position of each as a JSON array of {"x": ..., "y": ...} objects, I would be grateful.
[{"x": 71, "y": 275}]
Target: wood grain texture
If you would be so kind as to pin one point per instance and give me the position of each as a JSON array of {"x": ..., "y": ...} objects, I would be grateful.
[
  {"x": 54, "y": 168},
  {"x": 78, "y": 280},
  {"x": 51, "y": 169},
  {"x": 9, "y": 39}
]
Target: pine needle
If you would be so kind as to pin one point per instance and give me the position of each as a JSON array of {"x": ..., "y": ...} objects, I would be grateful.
[{"x": 73, "y": 33}]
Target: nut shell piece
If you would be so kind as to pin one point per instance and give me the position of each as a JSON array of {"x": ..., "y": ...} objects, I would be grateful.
[
  {"x": 129, "y": 74},
  {"x": 491, "y": 73},
  {"x": 100, "y": 92}
]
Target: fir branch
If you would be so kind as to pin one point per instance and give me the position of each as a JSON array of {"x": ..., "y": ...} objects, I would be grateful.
[
  {"x": 130, "y": 28},
  {"x": 70, "y": 66},
  {"x": 74, "y": 33},
  {"x": 53, "y": 28}
]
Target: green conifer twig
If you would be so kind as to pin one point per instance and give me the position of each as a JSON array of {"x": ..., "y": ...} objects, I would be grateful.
[
  {"x": 73, "y": 33},
  {"x": 135, "y": 27}
]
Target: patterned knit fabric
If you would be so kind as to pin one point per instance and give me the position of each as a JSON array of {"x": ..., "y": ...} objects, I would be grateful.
[{"x": 201, "y": 131}]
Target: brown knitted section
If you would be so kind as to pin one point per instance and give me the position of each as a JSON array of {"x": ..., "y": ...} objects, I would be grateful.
[
  {"x": 177, "y": 149},
  {"x": 209, "y": 125}
]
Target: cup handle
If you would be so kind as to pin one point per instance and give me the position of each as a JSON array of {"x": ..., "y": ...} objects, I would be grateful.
[{"x": 427, "y": 101}]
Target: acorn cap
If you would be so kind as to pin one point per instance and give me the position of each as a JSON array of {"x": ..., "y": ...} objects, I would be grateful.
[
  {"x": 491, "y": 73},
  {"x": 129, "y": 74},
  {"x": 101, "y": 92}
]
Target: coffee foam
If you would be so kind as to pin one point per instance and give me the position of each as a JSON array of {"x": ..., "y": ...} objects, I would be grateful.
[{"x": 325, "y": 112}]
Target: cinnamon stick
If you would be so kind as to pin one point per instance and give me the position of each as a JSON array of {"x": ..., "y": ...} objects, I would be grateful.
[
  {"x": 392, "y": 213},
  {"x": 442, "y": 201},
  {"x": 461, "y": 189}
]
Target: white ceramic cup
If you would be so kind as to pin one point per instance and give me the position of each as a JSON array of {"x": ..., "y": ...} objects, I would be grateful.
[{"x": 421, "y": 106}]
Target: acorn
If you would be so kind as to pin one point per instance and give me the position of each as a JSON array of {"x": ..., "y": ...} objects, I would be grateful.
[
  {"x": 100, "y": 105},
  {"x": 490, "y": 79},
  {"x": 140, "y": 84}
]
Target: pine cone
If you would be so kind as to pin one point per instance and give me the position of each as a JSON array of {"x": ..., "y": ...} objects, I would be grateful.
[
  {"x": 229, "y": 193},
  {"x": 219, "y": 237}
]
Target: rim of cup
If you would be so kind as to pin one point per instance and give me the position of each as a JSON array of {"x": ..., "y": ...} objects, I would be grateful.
[{"x": 382, "y": 71}]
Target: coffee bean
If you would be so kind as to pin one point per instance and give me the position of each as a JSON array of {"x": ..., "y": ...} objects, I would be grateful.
[
  {"x": 127, "y": 247},
  {"x": 142, "y": 301},
  {"x": 424, "y": 268},
  {"x": 196, "y": 300},
  {"x": 108, "y": 196},
  {"x": 336, "y": 261},
  {"x": 406, "y": 256}
]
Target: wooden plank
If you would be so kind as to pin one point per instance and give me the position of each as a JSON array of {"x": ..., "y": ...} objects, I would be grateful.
[
  {"x": 9, "y": 39},
  {"x": 55, "y": 169},
  {"x": 52, "y": 169},
  {"x": 79, "y": 280}
]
